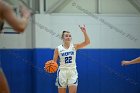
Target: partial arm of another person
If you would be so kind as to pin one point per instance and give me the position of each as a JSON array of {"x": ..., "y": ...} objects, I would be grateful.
[
  {"x": 134, "y": 61},
  {"x": 19, "y": 24}
]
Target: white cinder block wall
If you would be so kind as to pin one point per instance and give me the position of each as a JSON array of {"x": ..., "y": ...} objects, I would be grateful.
[{"x": 105, "y": 32}]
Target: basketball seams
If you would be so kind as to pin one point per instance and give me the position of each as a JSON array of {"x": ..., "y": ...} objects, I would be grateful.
[{"x": 51, "y": 66}]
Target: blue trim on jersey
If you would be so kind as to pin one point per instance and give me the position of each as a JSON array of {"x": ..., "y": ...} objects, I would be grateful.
[
  {"x": 76, "y": 82},
  {"x": 58, "y": 79}
]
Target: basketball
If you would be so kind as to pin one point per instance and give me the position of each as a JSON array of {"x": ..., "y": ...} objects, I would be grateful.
[{"x": 51, "y": 66}]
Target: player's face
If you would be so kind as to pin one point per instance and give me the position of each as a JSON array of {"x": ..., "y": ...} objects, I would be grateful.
[{"x": 67, "y": 37}]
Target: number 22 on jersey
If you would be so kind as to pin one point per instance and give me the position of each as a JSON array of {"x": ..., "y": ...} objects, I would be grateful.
[{"x": 68, "y": 59}]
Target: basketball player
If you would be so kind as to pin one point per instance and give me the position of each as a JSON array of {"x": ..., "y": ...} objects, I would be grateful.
[
  {"x": 67, "y": 73},
  {"x": 134, "y": 61},
  {"x": 19, "y": 24}
]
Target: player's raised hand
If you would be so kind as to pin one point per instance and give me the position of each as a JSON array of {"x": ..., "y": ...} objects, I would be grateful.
[{"x": 83, "y": 28}]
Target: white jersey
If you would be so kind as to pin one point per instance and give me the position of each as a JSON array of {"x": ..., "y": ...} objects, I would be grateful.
[{"x": 67, "y": 56}]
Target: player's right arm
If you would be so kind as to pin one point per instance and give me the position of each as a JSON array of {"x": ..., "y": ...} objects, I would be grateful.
[
  {"x": 19, "y": 24},
  {"x": 55, "y": 56}
]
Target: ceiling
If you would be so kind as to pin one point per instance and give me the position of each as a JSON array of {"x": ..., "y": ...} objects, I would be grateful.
[{"x": 58, "y": 6}]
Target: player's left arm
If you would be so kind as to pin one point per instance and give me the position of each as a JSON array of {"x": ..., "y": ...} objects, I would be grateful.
[{"x": 86, "y": 39}]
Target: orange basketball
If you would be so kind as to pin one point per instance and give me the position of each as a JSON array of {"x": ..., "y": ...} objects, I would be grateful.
[{"x": 51, "y": 66}]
